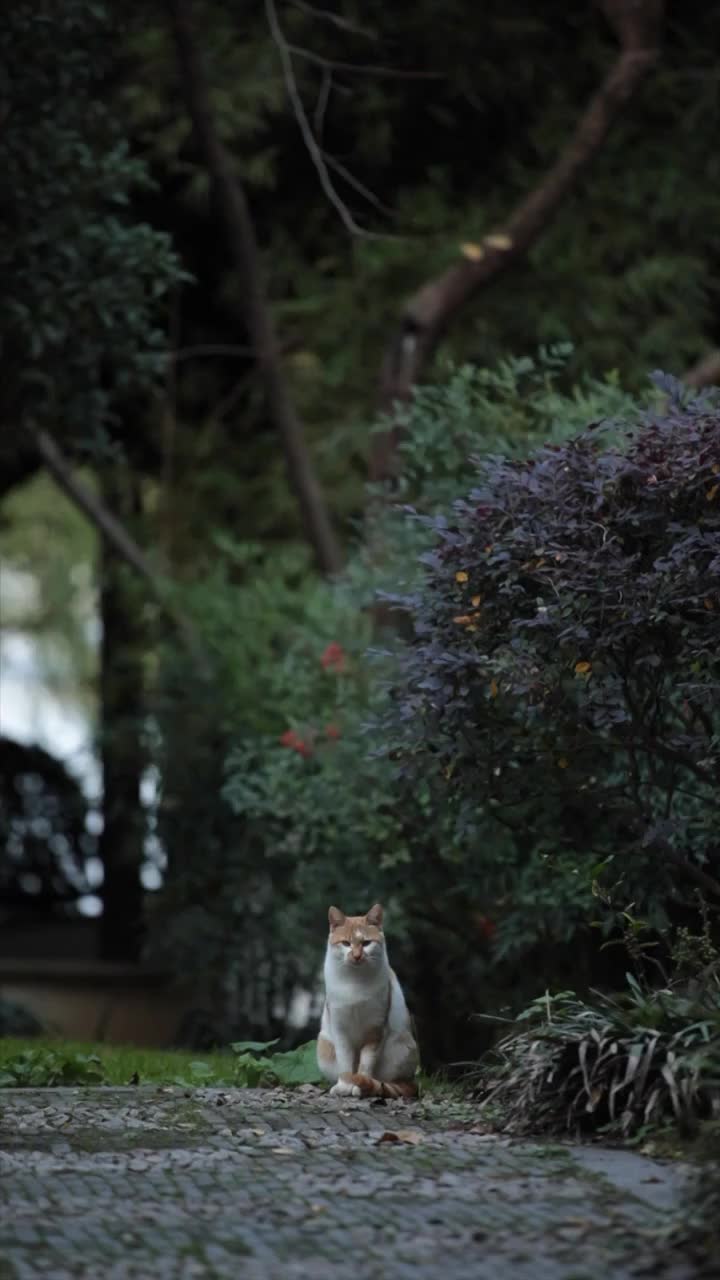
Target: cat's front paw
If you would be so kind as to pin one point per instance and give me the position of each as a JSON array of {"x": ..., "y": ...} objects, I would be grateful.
[{"x": 344, "y": 1089}]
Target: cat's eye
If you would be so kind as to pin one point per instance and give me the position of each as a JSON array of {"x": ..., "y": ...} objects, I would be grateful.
[
  {"x": 344, "y": 944},
  {"x": 367, "y": 942}
]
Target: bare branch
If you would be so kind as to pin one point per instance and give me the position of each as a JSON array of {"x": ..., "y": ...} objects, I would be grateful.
[
  {"x": 208, "y": 349},
  {"x": 321, "y": 105},
  {"x": 428, "y": 313},
  {"x": 344, "y": 24},
  {"x": 362, "y": 68},
  {"x": 313, "y": 150},
  {"x": 116, "y": 536},
  {"x": 258, "y": 318},
  {"x": 692, "y": 870},
  {"x": 706, "y": 373},
  {"x": 359, "y": 186}
]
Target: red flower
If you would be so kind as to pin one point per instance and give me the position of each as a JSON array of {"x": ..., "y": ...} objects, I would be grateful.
[
  {"x": 293, "y": 740},
  {"x": 487, "y": 927},
  {"x": 332, "y": 732},
  {"x": 333, "y": 658}
]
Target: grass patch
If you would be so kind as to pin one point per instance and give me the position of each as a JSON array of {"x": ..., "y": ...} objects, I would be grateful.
[
  {"x": 38, "y": 1063},
  {"x": 47, "y": 1062},
  {"x": 113, "y": 1064}
]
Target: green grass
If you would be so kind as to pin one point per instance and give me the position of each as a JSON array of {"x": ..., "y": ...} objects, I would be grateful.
[
  {"x": 54, "y": 1061},
  {"x": 121, "y": 1062}
]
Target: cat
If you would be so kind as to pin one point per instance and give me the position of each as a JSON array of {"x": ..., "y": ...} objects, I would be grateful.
[{"x": 366, "y": 1046}]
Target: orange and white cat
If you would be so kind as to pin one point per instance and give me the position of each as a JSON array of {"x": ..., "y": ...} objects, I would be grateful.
[{"x": 366, "y": 1045}]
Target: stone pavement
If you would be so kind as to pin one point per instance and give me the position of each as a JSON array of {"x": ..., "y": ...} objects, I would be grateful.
[{"x": 163, "y": 1184}]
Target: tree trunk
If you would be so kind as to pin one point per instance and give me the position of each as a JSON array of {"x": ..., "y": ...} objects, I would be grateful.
[
  {"x": 233, "y": 204},
  {"x": 121, "y": 735}
]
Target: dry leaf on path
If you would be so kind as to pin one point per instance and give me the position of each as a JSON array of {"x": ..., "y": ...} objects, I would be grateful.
[{"x": 409, "y": 1136}]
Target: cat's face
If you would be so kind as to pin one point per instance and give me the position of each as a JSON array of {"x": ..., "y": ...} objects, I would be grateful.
[{"x": 356, "y": 942}]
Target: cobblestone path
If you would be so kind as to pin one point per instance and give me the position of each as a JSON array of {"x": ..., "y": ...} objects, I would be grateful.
[{"x": 161, "y": 1184}]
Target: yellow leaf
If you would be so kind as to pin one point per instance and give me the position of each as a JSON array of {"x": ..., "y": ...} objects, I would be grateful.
[
  {"x": 712, "y": 493},
  {"x": 463, "y": 620},
  {"x": 498, "y": 241},
  {"x": 305, "y": 361},
  {"x": 475, "y": 600},
  {"x": 493, "y": 689},
  {"x": 461, "y": 576},
  {"x": 582, "y": 668},
  {"x": 473, "y": 252},
  {"x": 563, "y": 763}
]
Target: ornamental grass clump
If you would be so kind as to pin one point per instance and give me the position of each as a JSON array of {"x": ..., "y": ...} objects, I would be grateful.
[{"x": 620, "y": 1065}]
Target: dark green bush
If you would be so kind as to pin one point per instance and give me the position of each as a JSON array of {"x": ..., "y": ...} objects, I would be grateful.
[{"x": 564, "y": 680}]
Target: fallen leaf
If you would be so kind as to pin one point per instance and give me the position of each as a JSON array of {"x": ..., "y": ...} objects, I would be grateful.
[
  {"x": 582, "y": 668},
  {"x": 563, "y": 763},
  {"x": 712, "y": 493},
  {"x": 473, "y": 252},
  {"x": 259, "y": 1133},
  {"x": 410, "y": 1136},
  {"x": 461, "y": 576},
  {"x": 283, "y": 1151},
  {"x": 493, "y": 689},
  {"x": 708, "y": 603},
  {"x": 475, "y": 601}
]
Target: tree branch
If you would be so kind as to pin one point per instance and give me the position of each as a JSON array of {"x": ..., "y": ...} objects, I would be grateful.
[
  {"x": 706, "y": 373},
  {"x": 116, "y": 536},
  {"x": 245, "y": 252},
  {"x": 429, "y": 312},
  {"x": 285, "y": 52},
  {"x": 693, "y": 872}
]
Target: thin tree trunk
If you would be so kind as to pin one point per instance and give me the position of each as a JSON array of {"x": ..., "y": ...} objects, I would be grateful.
[
  {"x": 115, "y": 535},
  {"x": 245, "y": 252},
  {"x": 123, "y": 757},
  {"x": 431, "y": 310}
]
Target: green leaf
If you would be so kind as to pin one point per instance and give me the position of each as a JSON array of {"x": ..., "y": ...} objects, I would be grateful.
[{"x": 253, "y": 1046}]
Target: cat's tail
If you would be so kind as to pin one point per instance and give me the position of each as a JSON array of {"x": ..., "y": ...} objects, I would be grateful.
[{"x": 369, "y": 1087}]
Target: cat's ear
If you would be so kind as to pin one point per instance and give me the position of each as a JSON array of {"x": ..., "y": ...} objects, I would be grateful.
[
  {"x": 335, "y": 917},
  {"x": 375, "y": 916}
]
